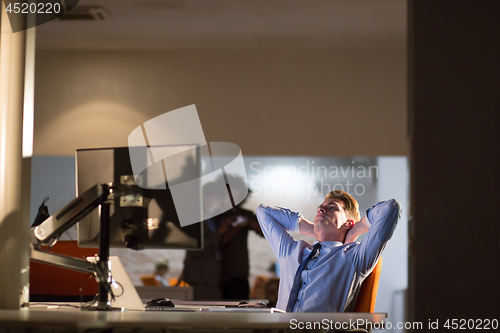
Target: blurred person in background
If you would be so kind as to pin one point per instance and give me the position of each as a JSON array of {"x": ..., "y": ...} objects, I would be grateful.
[{"x": 160, "y": 273}]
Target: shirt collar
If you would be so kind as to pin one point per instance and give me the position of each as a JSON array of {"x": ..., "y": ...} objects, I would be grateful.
[{"x": 330, "y": 243}]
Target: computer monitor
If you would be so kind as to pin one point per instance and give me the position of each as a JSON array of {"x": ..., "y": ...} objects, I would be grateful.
[{"x": 141, "y": 218}]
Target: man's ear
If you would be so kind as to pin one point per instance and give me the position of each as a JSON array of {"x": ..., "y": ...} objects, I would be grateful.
[{"x": 349, "y": 224}]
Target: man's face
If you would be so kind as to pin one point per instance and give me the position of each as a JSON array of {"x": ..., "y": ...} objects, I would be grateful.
[{"x": 331, "y": 214}]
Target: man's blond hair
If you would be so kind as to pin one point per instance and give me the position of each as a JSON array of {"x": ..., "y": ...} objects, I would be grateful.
[{"x": 351, "y": 206}]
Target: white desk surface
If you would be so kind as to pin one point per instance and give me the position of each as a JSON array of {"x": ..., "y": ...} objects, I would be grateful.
[{"x": 81, "y": 320}]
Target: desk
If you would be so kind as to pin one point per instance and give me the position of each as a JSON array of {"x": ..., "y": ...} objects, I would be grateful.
[{"x": 80, "y": 321}]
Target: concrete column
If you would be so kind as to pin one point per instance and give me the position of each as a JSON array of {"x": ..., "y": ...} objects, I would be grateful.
[
  {"x": 14, "y": 235},
  {"x": 454, "y": 104}
]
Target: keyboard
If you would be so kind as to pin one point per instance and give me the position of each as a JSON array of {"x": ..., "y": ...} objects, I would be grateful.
[{"x": 174, "y": 309}]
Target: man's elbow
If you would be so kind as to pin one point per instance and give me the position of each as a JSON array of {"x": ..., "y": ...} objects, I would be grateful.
[
  {"x": 396, "y": 206},
  {"x": 393, "y": 211},
  {"x": 262, "y": 208},
  {"x": 261, "y": 212}
]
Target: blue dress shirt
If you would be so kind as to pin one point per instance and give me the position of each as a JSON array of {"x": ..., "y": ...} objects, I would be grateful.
[{"x": 331, "y": 280}]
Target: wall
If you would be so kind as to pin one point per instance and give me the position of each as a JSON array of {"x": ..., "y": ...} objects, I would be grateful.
[
  {"x": 393, "y": 182},
  {"x": 53, "y": 177},
  {"x": 279, "y": 102}
]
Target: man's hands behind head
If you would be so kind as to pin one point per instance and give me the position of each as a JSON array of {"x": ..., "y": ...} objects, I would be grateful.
[{"x": 358, "y": 229}]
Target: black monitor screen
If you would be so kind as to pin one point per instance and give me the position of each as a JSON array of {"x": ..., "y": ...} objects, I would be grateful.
[{"x": 142, "y": 217}]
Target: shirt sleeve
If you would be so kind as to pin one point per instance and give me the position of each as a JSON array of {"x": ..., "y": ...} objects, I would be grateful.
[
  {"x": 275, "y": 222},
  {"x": 383, "y": 217}
]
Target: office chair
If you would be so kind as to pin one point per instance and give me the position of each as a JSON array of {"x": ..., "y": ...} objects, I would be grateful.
[
  {"x": 174, "y": 282},
  {"x": 368, "y": 293},
  {"x": 149, "y": 280}
]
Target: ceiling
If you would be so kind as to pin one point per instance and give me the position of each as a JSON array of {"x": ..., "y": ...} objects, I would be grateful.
[{"x": 185, "y": 24}]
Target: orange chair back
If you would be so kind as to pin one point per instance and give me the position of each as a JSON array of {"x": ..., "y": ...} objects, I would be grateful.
[
  {"x": 173, "y": 282},
  {"x": 149, "y": 280},
  {"x": 368, "y": 293}
]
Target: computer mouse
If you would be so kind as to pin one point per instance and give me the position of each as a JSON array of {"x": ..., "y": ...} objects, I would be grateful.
[
  {"x": 160, "y": 302},
  {"x": 243, "y": 302}
]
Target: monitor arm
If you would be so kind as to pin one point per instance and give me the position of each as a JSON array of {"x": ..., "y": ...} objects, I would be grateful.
[{"x": 49, "y": 231}]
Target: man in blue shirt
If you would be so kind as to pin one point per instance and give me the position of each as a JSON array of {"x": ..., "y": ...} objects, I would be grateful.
[{"x": 331, "y": 279}]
